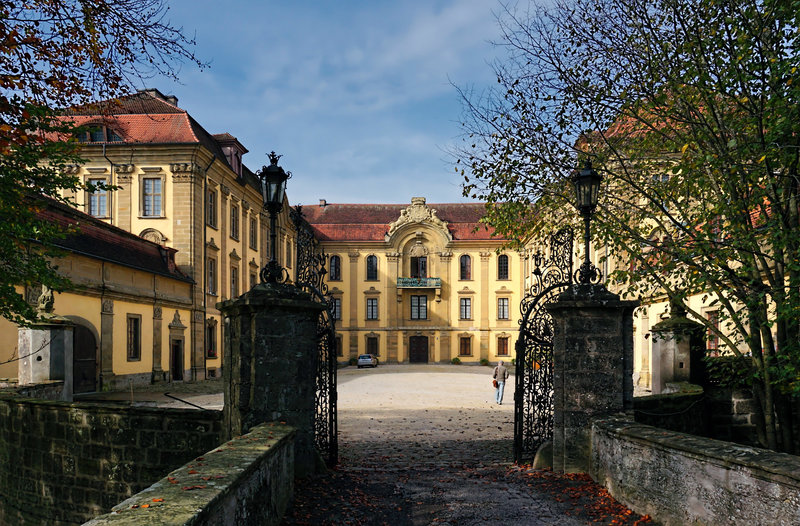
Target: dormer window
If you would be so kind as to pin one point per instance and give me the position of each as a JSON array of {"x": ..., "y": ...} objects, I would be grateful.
[{"x": 98, "y": 134}]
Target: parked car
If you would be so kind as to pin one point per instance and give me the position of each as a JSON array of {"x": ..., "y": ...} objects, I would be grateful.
[{"x": 367, "y": 360}]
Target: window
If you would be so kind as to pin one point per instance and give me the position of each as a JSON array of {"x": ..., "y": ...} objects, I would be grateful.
[
  {"x": 234, "y": 282},
  {"x": 419, "y": 267},
  {"x": 339, "y": 349},
  {"x": 466, "y": 267},
  {"x": 502, "y": 266},
  {"x": 253, "y": 234},
  {"x": 211, "y": 208},
  {"x": 336, "y": 308},
  {"x": 502, "y": 346},
  {"x": 372, "y": 308},
  {"x": 372, "y": 345},
  {"x": 134, "y": 337},
  {"x": 465, "y": 346},
  {"x": 211, "y": 340},
  {"x": 234, "y": 222},
  {"x": 98, "y": 134},
  {"x": 465, "y": 308},
  {"x": 502, "y": 308},
  {"x": 288, "y": 253},
  {"x": 252, "y": 279},
  {"x": 419, "y": 307},
  {"x": 712, "y": 338},
  {"x": 372, "y": 268},
  {"x": 151, "y": 197},
  {"x": 336, "y": 268},
  {"x": 211, "y": 268},
  {"x": 98, "y": 197}
]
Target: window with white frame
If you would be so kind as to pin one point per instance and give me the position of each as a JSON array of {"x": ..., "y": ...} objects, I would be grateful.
[
  {"x": 234, "y": 282},
  {"x": 98, "y": 197},
  {"x": 419, "y": 307},
  {"x": 465, "y": 308},
  {"x": 335, "y": 273},
  {"x": 152, "y": 197},
  {"x": 372, "y": 308},
  {"x": 502, "y": 346},
  {"x": 253, "y": 234},
  {"x": 502, "y": 266},
  {"x": 211, "y": 208},
  {"x": 465, "y": 267},
  {"x": 211, "y": 279},
  {"x": 372, "y": 268},
  {"x": 336, "y": 307},
  {"x": 234, "y": 222},
  {"x": 502, "y": 308},
  {"x": 134, "y": 337}
]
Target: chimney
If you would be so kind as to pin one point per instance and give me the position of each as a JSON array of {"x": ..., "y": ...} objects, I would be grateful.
[
  {"x": 153, "y": 92},
  {"x": 323, "y": 202}
]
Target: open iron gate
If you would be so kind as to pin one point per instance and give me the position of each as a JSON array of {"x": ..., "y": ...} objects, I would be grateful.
[
  {"x": 310, "y": 277},
  {"x": 533, "y": 398}
]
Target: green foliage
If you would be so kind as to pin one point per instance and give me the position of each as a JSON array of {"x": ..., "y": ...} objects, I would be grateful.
[
  {"x": 54, "y": 55},
  {"x": 729, "y": 371},
  {"x": 353, "y": 361},
  {"x": 484, "y": 361},
  {"x": 455, "y": 360},
  {"x": 689, "y": 108}
]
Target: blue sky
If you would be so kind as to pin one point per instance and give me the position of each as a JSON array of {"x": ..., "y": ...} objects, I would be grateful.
[{"x": 355, "y": 95}]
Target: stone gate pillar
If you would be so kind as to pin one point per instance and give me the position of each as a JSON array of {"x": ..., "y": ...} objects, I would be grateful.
[
  {"x": 592, "y": 368},
  {"x": 270, "y": 364},
  {"x": 678, "y": 349}
]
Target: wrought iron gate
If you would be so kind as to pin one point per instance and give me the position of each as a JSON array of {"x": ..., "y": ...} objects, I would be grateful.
[
  {"x": 533, "y": 398},
  {"x": 311, "y": 277}
]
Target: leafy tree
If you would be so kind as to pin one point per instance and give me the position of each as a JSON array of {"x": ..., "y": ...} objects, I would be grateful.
[
  {"x": 54, "y": 54},
  {"x": 690, "y": 110}
]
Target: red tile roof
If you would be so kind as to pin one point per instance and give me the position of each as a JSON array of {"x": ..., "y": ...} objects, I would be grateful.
[
  {"x": 370, "y": 222},
  {"x": 99, "y": 240},
  {"x": 147, "y": 118}
]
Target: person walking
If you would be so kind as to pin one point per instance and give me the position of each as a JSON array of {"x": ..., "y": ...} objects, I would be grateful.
[{"x": 500, "y": 376}]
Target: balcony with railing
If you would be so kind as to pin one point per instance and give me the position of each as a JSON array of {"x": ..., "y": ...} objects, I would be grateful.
[{"x": 419, "y": 283}]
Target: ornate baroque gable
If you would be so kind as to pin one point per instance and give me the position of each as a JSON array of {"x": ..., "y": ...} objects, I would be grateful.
[{"x": 418, "y": 212}]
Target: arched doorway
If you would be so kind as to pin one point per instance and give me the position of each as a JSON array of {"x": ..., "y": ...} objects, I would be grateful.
[
  {"x": 84, "y": 360},
  {"x": 418, "y": 349}
]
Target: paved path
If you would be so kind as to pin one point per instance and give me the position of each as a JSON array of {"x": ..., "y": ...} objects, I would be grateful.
[{"x": 422, "y": 445}]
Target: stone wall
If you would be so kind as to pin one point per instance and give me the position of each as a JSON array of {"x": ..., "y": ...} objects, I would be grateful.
[
  {"x": 246, "y": 481},
  {"x": 682, "y": 479},
  {"x": 64, "y": 463}
]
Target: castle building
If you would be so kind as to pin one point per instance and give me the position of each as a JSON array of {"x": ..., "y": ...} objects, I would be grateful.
[
  {"x": 158, "y": 174},
  {"x": 418, "y": 283}
]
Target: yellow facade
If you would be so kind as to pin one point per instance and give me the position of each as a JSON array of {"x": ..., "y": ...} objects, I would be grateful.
[{"x": 465, "y": 314}]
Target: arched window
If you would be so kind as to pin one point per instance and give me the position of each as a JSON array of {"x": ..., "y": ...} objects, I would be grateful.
[
  {"x": 372, "y": 268},
  {"x": 336, "y": 268},
  {"x": 502, "y": 266},
  {"x": 466, "y": 267}
]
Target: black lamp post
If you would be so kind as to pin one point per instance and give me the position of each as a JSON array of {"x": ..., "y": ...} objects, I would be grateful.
[
  {"x": 587, "y": 190},
  {"x": 273, "y": 186}
]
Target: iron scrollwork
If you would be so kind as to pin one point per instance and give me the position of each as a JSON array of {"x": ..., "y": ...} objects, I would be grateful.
[
  {"x": 310, "y": 277},
  {"x": 533, "y": 411}
]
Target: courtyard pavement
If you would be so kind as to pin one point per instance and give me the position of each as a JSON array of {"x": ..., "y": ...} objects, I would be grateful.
[{"x": 424, "y": 445}]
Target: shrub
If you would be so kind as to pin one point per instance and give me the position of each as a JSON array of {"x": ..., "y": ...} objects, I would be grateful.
[
  {"x": 353, "y": 361},
  {"x": 456, "y": 361},
  {"x": 484, "y": 361}
]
